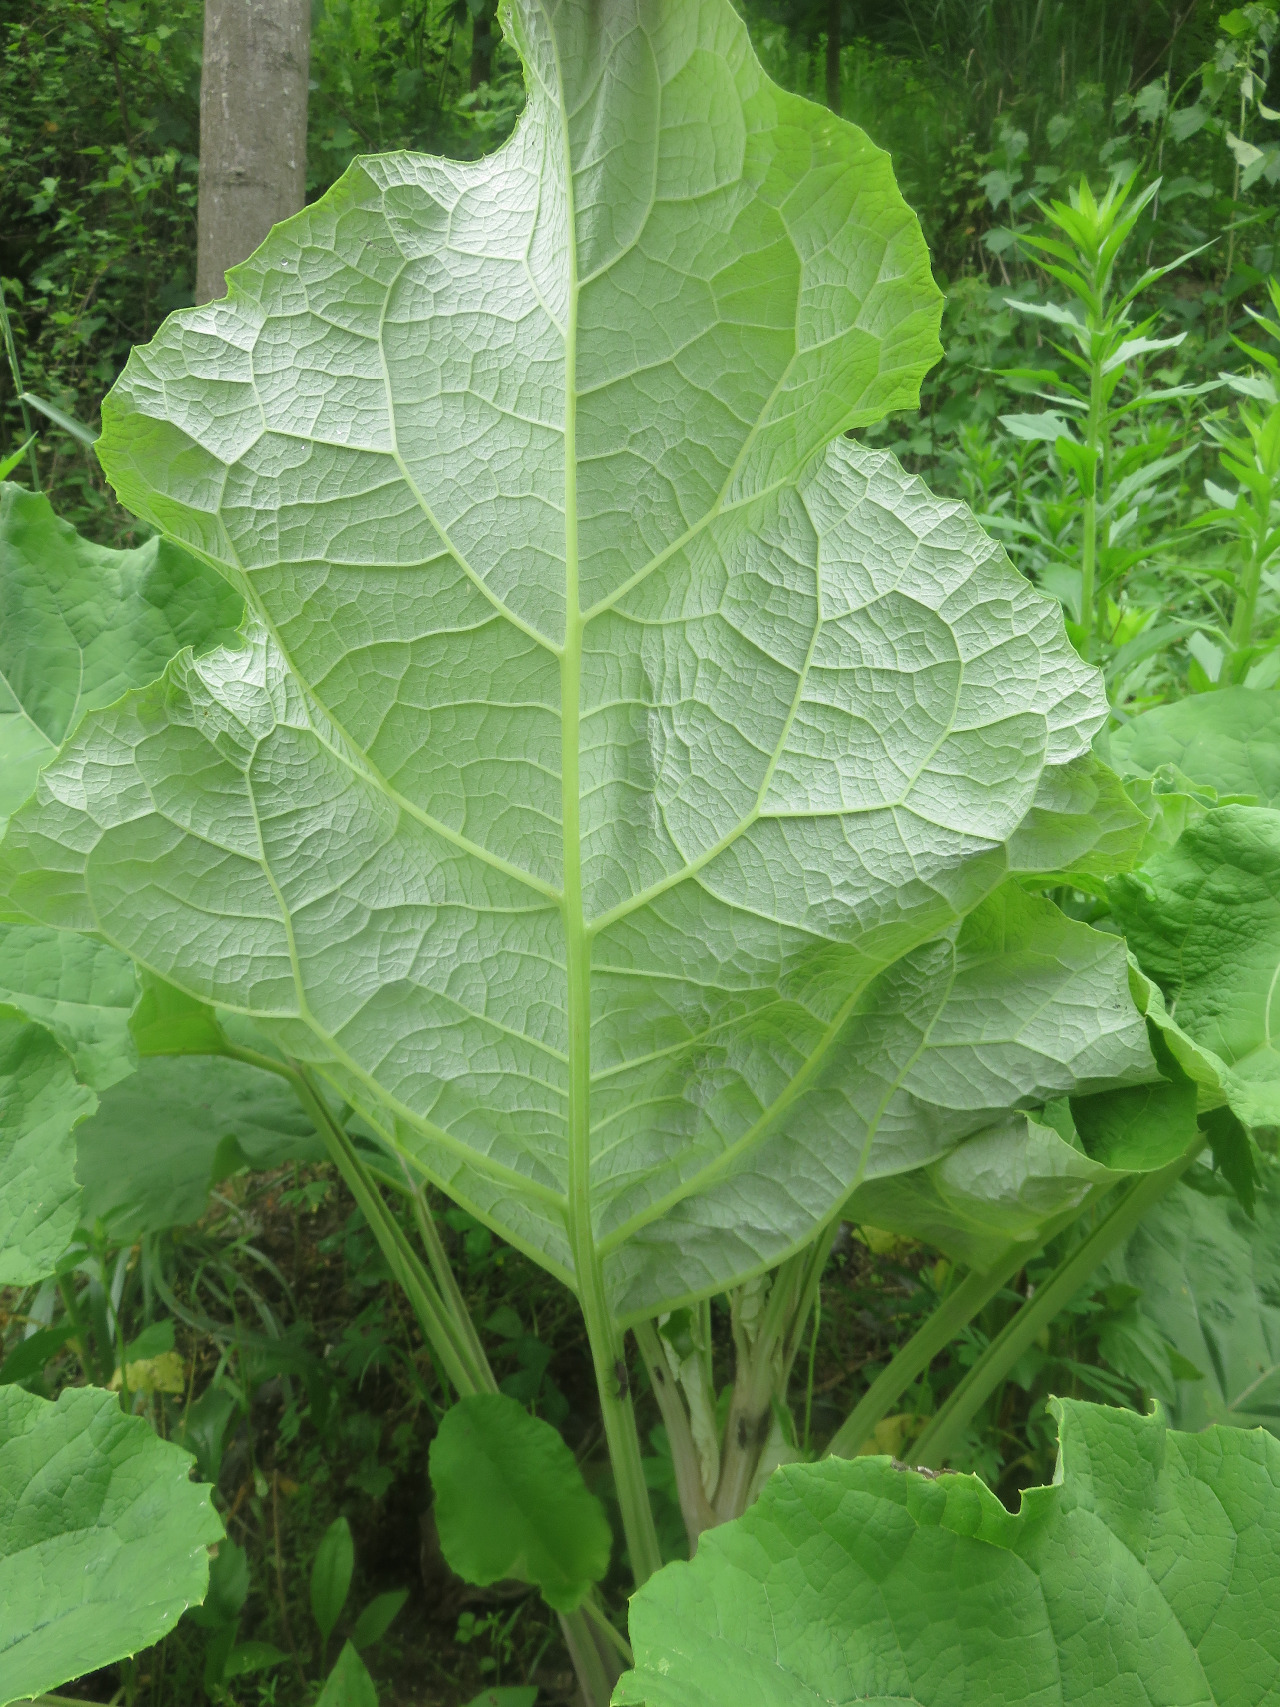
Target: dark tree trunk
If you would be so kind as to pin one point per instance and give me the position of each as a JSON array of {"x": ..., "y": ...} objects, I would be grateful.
[
  {"x": 253, "y": 129},
  {"x": 483, "y": 20},
  {"x": 834, "y": 20}
]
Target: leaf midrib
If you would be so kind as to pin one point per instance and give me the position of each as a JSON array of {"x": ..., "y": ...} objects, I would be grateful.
[{"x": 590, "y": 1284}]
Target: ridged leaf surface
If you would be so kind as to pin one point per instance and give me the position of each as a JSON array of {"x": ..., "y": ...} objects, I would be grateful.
[
  {"x": 40, "y": 1105},
  {"x": 1203, "y": 919},
  {"x": 1148, "y": 1572},
  {"x": 607, "y": 724},
  {"x": 103, "y": 1539}
]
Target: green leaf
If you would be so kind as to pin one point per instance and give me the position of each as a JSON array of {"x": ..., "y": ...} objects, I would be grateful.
[
  {"x": 82, "y": 990},
  {"x": 1145, "y": 1573},
  {"x": 151, "y": 1341},
  {"x": 331, "y": 1575},
  {"x": 217, "y": 1652},
  {"x": 80, "y": 623},
  {"x": 228, "y": 1589},
  {"x": 1006, "y": 1184},
  {"x": 147, "y": 1159},
  {"x": 1009, "y": 1181},
  {"x": 40, "y": 1105},
  {"x": 1233, "y": 1155},
  {"x": 103, "y": 1540},
  {"x": 1209, "y": 1282},
  {"x": 510, "y": 1501},
  {"x": 349, "y": 1683},
  {"x": 1228, "y": 741},
  {"x": 1203, "y": 920},
  {"x": 1135, "y": 1348},
  {"x": 202, "y": 1431},
  {"x": 29, "y": 1356},
  {"x": 10, "y": 462},
  {"x": 516, "y": 1696},
  {"x": 377, "y": 1618},
  {"x": 1046, "y": 427},
  {"x": 170, "y": 1022},
  {"x": 1139, "y": 1128},
  {"x": 61, "y": 418},
  {"x": 247, "y": 1657},
  {"x": 556, "y": 807}
]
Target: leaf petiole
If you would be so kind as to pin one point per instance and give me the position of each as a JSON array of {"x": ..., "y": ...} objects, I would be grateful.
[
  {"x": 451, "y": 1343},
  {"x": 940, "y": 1437}
]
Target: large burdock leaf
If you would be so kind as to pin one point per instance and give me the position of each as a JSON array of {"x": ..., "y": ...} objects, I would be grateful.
[
  {"x": 103, "y": 1539},
  {"x": 1203, "y": 919},
  {"x": 607, "y": 723},
  {"x": 1149, "y": 1572},
  {"x": 40, "y": 1105}
]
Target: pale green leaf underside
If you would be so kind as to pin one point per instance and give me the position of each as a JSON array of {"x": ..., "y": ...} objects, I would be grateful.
[
  {"x": 1000, "y": 1187},
  {"x": 1150, "y": 1572},
  {"x": 600, "y": 735},
  {"x": 103, "y": 1540},
  {"x": 1209, "y": 1278},
  {"x": 40, "y": 1105},
  {"x": 1203, "y": 920},
  {"x": 1019, "y": 1000}
]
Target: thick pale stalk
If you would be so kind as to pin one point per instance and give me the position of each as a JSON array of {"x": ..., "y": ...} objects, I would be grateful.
[
  {"x": 939, "y": 1440},
  {"x": 695, "y": 1507},
  {"x": 755, "y": 1384},
  {"x": 806, "y": 1297},
  {"x": 442, "y": 1269},
  {"x": 608, "y": 1356},
  {"x": 597, "y": 1672}
]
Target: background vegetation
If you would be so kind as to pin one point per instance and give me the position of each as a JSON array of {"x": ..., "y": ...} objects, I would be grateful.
[{"x": 277, "y": 1302}]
